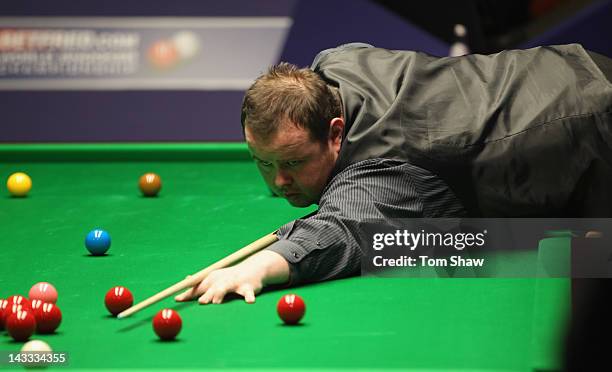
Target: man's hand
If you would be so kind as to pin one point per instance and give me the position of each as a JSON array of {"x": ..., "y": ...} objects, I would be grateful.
[{"x": 246, "y": 279}]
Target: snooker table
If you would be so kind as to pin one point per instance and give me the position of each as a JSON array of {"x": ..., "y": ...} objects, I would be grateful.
[{"x": 212, "y": 203}]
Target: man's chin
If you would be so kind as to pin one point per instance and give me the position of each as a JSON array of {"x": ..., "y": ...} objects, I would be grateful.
[{"x": 298, "y": 201}]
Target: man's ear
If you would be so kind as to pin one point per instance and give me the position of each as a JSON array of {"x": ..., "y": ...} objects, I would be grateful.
[{"x": 336, "y": 130}]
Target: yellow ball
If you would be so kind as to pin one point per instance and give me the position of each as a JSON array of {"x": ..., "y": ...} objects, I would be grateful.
[{"x": 19, "y": 184}]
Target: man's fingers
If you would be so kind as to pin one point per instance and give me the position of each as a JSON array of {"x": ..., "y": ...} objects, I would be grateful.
[
  {"x": 206, "y": 297},
  {"x": 193, "y": 292},
  {"x": 218, "y": 284},
  {"x": 186, "y": 296},
  {"x": 215, "y": 294},
  {"x": 248, "y": 294},
  {"x": 219, "y": 295}
]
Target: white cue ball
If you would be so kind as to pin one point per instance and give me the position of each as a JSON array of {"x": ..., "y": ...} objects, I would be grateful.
[
  {"x": 35, "y": 345},
  {"x": 38, "y": 346}
]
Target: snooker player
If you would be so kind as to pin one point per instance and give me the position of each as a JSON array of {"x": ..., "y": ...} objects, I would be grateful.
[{"x": 369, "y": 133}]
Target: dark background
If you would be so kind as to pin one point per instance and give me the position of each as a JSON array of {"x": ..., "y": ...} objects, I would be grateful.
[{"x": 194, "y": 115}]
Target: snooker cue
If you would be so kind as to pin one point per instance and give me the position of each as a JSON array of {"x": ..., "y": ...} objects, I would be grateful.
[{"x": 196, "y": 278}]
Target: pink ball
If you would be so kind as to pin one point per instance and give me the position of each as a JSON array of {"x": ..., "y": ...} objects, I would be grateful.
[{"x": 43, "y": 291}]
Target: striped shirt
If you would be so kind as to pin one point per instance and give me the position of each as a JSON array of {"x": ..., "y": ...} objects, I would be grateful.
[{"x": 326, "y": 245}]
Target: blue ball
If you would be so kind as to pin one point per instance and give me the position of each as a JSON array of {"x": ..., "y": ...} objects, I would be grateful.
[{"x": 97, "y": 242}]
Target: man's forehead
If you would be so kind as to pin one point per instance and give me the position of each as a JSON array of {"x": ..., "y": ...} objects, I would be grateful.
[{"x": 287, "y": 139}]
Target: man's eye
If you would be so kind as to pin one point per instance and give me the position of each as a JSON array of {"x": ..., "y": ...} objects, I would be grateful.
[
  {"x": 294, "y": 163},
  {"x": 265, "y": 163}
]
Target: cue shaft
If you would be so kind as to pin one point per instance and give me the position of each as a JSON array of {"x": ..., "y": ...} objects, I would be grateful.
[{"x": 196, "y": 278}]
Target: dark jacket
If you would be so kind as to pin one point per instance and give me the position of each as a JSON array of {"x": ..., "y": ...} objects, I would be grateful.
[{"x": 517, "y": 133}]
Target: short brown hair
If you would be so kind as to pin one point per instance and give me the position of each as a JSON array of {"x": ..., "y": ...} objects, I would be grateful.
[{"x": 287, "y": 92}]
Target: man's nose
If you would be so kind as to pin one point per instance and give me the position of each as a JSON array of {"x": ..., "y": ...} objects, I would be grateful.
[{"x": 282, "y": 179}]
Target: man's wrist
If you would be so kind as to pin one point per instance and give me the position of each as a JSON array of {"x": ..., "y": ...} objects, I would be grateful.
[{"x": 275, "y": 269}]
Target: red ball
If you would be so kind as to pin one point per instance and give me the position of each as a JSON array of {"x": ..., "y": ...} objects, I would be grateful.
[
  {"x": 19, "y": 300},
  {"x": 118, "y": 299},
  {"x": 21, "y": 325},
  {"x": 35, "y": 304},
  {"x": 3, "y": 305},
  {"x": 48, "y": 317},
  {"x": 11, "y": 309},
  {"x": 167, "y": 324},
  {"x": 291, "y": 308},
  {"x": 43, "y": 291}
]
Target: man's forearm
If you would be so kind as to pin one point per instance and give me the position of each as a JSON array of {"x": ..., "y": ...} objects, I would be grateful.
[{"x": 271, "y": 266}]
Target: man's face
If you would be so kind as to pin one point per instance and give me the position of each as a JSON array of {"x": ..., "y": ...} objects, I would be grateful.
[{"x": 294, "y": 165}]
